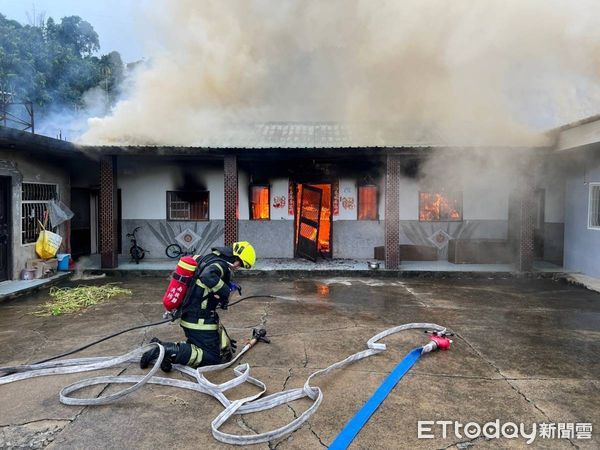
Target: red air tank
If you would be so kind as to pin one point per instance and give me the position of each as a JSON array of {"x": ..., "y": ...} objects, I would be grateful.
[{"x": 180, "y": 281}]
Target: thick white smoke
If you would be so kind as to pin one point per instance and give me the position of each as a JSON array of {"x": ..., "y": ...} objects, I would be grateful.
[{"x": 461, "y": 72}]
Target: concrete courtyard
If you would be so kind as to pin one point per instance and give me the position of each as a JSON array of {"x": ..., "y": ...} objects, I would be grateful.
[{"x": 525, "y": 350}]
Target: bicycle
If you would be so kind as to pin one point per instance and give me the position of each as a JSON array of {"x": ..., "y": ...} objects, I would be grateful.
[
  {"x": 137, "y": 253},
  {"x": 175, "y": 251}
]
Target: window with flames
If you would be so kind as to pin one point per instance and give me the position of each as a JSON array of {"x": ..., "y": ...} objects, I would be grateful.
[
  {"x": 259, "y": 202},
  {"x": 367, "y": 202},
  {"x": 440, "y": 206}
]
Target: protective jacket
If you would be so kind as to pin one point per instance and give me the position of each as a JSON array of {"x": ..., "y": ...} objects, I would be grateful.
[{"x": 199, "y": 319}]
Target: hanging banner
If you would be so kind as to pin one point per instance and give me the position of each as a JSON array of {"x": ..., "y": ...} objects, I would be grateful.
[
  {"x": 291, "y": 198},
  {"x": 336, "y": 197}
]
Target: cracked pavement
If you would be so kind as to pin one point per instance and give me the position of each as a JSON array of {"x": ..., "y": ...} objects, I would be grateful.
[{"x": 525, "y": 351}]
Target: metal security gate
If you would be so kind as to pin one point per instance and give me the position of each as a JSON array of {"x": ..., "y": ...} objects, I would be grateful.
[
  {"x": 5, "y": 227},
  {"x": 308, "y": 223}
]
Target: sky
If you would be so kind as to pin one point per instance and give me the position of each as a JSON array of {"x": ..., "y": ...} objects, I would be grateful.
[{"x": 112, "y": 20}]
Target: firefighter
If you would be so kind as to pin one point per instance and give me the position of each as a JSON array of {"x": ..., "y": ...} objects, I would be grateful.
[{"x": 207, "y": 340}]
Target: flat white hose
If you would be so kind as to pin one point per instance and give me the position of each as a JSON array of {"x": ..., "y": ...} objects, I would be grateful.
[{"x": 246, "y": 405}]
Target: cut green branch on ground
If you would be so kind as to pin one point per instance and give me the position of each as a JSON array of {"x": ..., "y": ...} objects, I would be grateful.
[{"x": 71, "y": 300}]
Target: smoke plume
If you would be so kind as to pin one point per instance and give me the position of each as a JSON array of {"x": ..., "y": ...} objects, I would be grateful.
[{"x": 461, "y": 72}]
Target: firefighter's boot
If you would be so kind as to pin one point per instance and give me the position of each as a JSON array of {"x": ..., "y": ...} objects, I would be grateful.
[{"x": 171, "y": 353}]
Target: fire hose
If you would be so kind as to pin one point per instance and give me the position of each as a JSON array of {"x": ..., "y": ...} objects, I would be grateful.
[
  {"x": 167, "y": 318},
  {"x": 246, "y": 405}
]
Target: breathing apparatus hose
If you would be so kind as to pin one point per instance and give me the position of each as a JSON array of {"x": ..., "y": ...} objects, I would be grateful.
[
  {"x": 101, "y": 340},
  {"x": 9, "y": 370}
]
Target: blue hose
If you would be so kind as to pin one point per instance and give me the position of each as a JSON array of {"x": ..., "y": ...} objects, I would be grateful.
[{"x": 353, "y": 427}]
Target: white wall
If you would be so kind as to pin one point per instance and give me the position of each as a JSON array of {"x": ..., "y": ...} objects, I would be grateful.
[
  {"x": 243, "y": 195},
  {"x": 409, "y": 199},
  {"x": 381, "y": 185},
  {"x": 279, "y": 189},
  {"x": 485, "y": 202},
  {"x": 347, "y": 192},
  {"x": 144, "y": 185}
]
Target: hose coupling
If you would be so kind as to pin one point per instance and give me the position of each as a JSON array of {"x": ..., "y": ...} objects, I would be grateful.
[{"x": 438, "y": 340}]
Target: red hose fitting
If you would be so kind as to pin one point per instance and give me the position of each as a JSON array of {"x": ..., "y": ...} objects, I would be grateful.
[{"x": 443, "y": 343}]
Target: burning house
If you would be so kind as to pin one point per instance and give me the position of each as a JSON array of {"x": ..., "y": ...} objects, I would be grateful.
[
  {"x": 300, "y": 191},
  {"x": 406, "y": 133}
]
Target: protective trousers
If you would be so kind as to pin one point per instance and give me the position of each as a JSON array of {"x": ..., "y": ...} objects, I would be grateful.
[{"x": 205, "y": 348}]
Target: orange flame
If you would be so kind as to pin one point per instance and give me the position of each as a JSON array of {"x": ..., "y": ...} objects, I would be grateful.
[
  {"x": 324, "y": 238},
  {"x": 260, "y": 202},
  {"x": 436, "y": 206}
]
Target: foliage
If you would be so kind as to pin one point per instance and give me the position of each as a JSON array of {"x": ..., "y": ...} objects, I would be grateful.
[
  {"x": 70, "y": 300},
  {"x": 55, "y": 64}
]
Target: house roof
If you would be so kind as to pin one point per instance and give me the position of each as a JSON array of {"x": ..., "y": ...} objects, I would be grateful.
[
  {"x": 290, "y": 135},
  {"x": 302, "y": 135},
  {"x": 580, "y": 135},
  {"x": 269, "y": 138},
  {"x": 307, "y": 136},
  {"x": 585, "y": 120},
  {"x": 318, "y": 135},
  {"x": 13, "y": 139}
]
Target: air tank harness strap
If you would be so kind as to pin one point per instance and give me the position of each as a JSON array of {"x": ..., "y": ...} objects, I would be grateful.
[{"x": 200, "y": 325}]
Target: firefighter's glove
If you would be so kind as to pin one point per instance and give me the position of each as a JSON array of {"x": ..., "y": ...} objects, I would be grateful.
[
  {"x": 235, "y": 287},
  {"x": 223, "y": 296}
]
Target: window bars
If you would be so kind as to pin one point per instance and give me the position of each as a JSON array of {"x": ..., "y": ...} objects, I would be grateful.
[
  {"x": 34, "y": 201},
  {"x": 187, "y": 205}
]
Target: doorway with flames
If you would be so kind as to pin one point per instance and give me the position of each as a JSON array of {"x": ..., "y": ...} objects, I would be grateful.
[{"x": 313, "y": 220}]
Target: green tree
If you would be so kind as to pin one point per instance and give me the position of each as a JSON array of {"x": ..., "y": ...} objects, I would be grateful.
[
  {"x": 77, "y": 34},
  {"x": 21, "y": 52},
  {"x": 55, "y": 64},
  {"x": 112, "y": 69}
]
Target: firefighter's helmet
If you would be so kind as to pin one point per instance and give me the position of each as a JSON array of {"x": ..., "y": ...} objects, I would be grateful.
[{"x": 245, "y": 252}]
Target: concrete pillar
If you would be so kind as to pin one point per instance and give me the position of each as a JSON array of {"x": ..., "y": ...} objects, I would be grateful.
[
  {"x": 231, "y": 199},
  {"x": 392, "y": 213},
  {"x": 108, "y": 212},
  {"x": 526, "y": 217}
]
